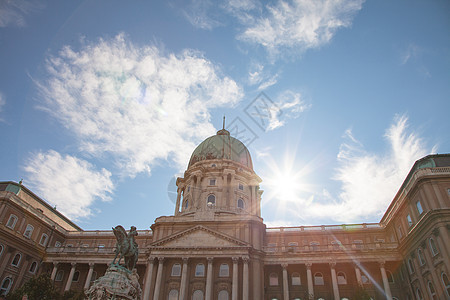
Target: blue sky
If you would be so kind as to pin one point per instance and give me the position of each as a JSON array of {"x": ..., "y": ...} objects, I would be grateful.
[{"x": 103, "y": 102}]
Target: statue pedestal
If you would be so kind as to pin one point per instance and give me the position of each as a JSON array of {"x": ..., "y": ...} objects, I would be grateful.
[{"x": 118, "y": 283}]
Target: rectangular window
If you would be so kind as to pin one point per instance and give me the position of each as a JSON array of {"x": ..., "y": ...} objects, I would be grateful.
[
  {"x": 212, "y": 182},
  {"x": 358, "y": 244},
  {"x": 43, "y": 240},
  {"x": 241, "y": 186},
  {"x": 408, "y": 218},
  {"x": 272, "y": 247},
  {"x": 11, "y": 221},
  {"x": 419, "y": 207}
]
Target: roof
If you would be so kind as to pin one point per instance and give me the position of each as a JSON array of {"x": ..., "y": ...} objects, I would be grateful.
[{"x": 222, "y": 146}]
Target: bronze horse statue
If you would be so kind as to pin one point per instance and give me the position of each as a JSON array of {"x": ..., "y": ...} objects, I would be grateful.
[{"x": 126, "y": 246}]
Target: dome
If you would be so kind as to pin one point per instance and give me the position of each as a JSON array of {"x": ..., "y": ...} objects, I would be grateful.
[{"x": 222, "y": 146}]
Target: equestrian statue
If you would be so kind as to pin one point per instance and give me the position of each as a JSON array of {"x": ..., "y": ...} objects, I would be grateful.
[{"x": 126, "y": 246}]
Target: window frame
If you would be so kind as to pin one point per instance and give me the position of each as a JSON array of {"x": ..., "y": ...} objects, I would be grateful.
[
  {"x": 433, "y": 247},
  {"x": 273, "y": 279},
  {"x": 5, "y": 291},
  {"x": 212, "y": 182},
  {"x": 225, "y": 271},
  {"x": 197, "y": 270},
  {"x": 76, "y": 276},
  {"x": 419, "y": 207},
  {"x": 18, "y": 261},
  {"x": 421, "y": 258},
  {"x": 409, "y": 220},
  {"x": 43, "y": 243},
  {"x": 318, "y": 279},
  {"x": 431, "y": 290},
  {"x": 344, "y": 276},
  {"x": 240, "y": 186},
  {"x": 12, "y": 217},
  {"x": 208, "y": 200},
  {"x": 59, "y": 276},
  {"x": 31, "y": 269},
  {"x": 28, "y": 231},
  {"x": 444, "y": 284},
  {"x": 240, "y": 200},
  {"x": 294, "y": 276},
  {"x": 173, "y": 273},
  {"x": 411, "y": 268}
]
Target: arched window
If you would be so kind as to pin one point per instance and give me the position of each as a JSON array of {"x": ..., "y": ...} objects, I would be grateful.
[
  {"x": 176, "y": 270},
  {"x": 410, "y": 266},
  {"x": 419, "y": 207},
  {"x": 431, "y": 290},
  {"x": 240, "y": 203},
  {"x": 6, "y": 285},
  {"x": 390, "y": 277},
  {"x": 314, "y": 246},
  {"x": 224, "y": 270},
  {"x": 341, "y": 278},
  {"x": 273, "y": 279},
  {"x": 419, "y": 294},
  {"x": 199, "y": 270},
  {"x": 211, "y": 200},
  {"x": 197, "y": 295},
  {"x": 1, "y": 249},
  {"x": 295, "y": 279},
  {"x": 420, "y": 256},
  {"x": 33, "y": 267},
  {"x": 186, "y": 204},
  {"x": 173, "y": 295},
  {"x": 59, "y": 275},
  {"x": 223, "y": 295},
  {"x": 76, "y": 276},
  {"x": 434, "y": 249},
  {"x": 11, "y": 221},
  {"x": 445, "y": 283},
  {"x": 28, "y": 231},
  {"x": 318, "y": 279},
  {"x": 43, "y": 240},
  {"x": 16, "y": 260}
]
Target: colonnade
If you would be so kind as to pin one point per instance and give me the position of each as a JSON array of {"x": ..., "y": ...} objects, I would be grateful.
[
  {"x": 334, "y": 280},
  {"x": 72, "y": 273},
  {"x": 148, "y": 294}
]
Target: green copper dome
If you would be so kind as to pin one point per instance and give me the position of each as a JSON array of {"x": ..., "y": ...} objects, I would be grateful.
[{"x": 222, "y": 146}]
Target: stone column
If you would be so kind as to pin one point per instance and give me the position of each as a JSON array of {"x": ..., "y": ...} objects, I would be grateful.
[
  {"x": 285, "y": 282},
  {"x": 245, "y": 278},
  {"x": 55, "y": 269},
  {"x": 177, "y": 205},
  {"x": 89, "y": 276},
  {"x": 209, "y": 275},
  {"x": 148, "y": 278},
  {"x": 358, "y": 275},
  {"x": 184, "y": 279},
  {"x": 234, "y": 285},
  {"x": 69, "y": 280},
  {"x": 334, "y": 281},
  {"x": 158, "y": 278},
  {"x": 310, "y": 281},
  {"x": 387, "y": 289}
]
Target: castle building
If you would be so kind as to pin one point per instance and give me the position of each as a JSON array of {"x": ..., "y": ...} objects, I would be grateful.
[{"x": 216, "y": 245}]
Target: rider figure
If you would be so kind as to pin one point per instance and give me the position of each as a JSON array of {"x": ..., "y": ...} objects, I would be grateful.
[{"x": 131, "y": 235}]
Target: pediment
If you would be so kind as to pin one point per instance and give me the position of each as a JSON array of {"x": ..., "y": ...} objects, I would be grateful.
[{"x": 199, "y": 237}]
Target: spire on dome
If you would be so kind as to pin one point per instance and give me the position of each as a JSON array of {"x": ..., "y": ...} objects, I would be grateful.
[{"x": 223, "y": 131}]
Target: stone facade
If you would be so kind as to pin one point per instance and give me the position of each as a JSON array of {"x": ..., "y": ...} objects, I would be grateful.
[{"x": 216, "y": 245}]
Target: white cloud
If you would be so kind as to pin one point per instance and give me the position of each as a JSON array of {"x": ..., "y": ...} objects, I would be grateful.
[
  {"x": 257, "y": 75},
  {"x": 135, "y": 103},
  {"x": 411, "y": 52},
  {"x": 12, "y": 13},
  {"x": 370, "y": 181},
  {"x": 289, "y": 105},
  {"x": 299, "y": 24},
  {"x": 70, "y": 183}
]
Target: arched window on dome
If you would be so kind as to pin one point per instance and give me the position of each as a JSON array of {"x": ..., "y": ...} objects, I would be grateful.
[
  {"x": 211, "y": 201},
  {"x": 240, "y": 203}
]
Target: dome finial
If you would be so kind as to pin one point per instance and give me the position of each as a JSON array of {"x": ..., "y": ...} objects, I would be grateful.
[{"x": 223, "y": 131}]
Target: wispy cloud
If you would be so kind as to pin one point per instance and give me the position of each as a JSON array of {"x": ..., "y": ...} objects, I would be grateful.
[
  {"x": 369, "y": 181},
  {"x": 69, "y": 183},
  {"x": 258, "y": 76},
  {"x": 412, "y": 51},
  {"x": 135, "y": 103},
  {"x": 299, "y": 24},
  {"x": 289, "y": 105},
  {"x": 198, "y": 13},
  {"x": 12, "y": 13}
]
